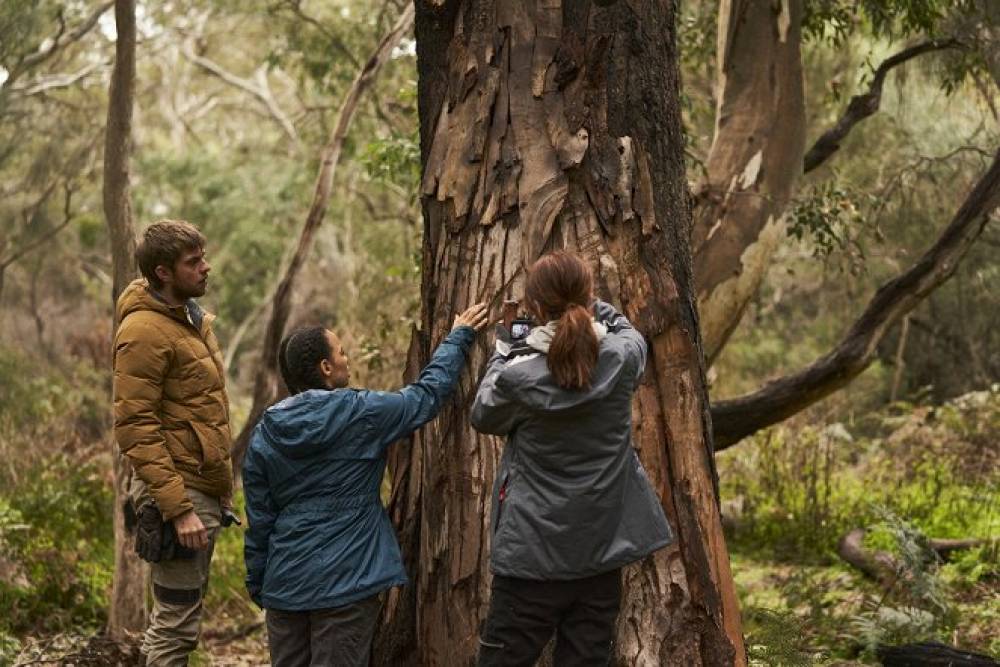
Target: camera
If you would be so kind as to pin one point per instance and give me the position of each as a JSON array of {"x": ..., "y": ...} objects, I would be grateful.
[{"x": 521, "y": 327}]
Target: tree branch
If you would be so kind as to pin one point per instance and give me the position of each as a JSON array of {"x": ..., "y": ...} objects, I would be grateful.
[
  {"x": 260, "y": 89},
  {"x": 296, "y": 7},
  {"x": 55, "y": 81},
  {"x": 863, "y": 106},
  {"x": 266, "y": 382},
  {"x": 28, "y": 247},
  {"x": 737, "y": 418},
  {"x": 41, "y": 55}
]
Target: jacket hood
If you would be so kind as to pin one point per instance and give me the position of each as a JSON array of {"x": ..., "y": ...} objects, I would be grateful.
[
  {"x": 303, "y": 424},
  {"x": 529, "y": 379},
  {"x": 138, "y": 296}
]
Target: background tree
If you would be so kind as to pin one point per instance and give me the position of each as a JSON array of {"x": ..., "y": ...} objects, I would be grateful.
[{"x": 127, "y": 613}]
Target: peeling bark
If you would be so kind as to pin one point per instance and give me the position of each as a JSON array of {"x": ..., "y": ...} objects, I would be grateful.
[
  {"x": 267, "y": 384},
  {"x": 127, "y": 613},
  {"x": 737, "y": 418},
  {"x": 546, "y": 125},
  {"x": 754, "y": 163}
]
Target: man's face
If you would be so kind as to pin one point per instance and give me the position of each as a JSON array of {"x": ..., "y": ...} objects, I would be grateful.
[{"x": 189, "y": 277}]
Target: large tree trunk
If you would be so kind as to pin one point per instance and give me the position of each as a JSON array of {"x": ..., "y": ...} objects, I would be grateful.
[
  {"x": 754, "y": 163},
  {"x": 128, "y": 609},
  {"x": 556, "y": 124}
]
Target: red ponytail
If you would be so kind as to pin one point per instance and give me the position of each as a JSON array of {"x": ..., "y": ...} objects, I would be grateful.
[{"x": 560, "y": 287}]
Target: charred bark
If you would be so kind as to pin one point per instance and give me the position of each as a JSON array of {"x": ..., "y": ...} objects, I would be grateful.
[
  {"x": 548, "y": 125},
  {"x": 737, "y": 418},
  {"x": 127, "y": 612},
  {"x": 267, "y": 384}
]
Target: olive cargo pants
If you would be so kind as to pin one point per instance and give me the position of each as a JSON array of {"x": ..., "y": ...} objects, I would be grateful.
[{"x": 178, "y": 589}]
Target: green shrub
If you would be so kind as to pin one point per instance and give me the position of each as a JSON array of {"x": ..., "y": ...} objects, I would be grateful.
[{"x": 56, "y": 541}]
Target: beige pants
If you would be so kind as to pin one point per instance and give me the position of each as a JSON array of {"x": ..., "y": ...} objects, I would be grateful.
[{"x": 178, "y": 589}]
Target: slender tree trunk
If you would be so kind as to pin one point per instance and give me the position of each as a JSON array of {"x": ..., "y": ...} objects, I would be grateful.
[
  {"x": 267, "y": 384},
  {"x": 128, "y": 609},
  {"x": 551, "y": 124},
  {"x": 755, "y": 160}
]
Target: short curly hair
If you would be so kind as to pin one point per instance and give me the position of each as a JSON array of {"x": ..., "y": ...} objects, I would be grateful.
[
  {"x": 162, "y": 244},
  {"x": 299, "y": 355}
]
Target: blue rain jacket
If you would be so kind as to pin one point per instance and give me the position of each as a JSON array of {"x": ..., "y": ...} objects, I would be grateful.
[{"x": 318, "y": 535}]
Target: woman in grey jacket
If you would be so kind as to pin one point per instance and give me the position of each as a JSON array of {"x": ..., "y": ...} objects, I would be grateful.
[{"x": 571, "y": 502}]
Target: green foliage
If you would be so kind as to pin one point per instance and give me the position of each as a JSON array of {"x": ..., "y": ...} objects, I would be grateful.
[
  {"x": 56, "y": 546},
  {"x": 776, "y": 639},
  {"x": 27, "y": 396},
  {"x": 892, "y": 626},
  {"x": 828, "y": 216},
  {"x": 395, "y": 159},
  {"x": 834, "y": 20},
  {"x": 905, "y": 474}
]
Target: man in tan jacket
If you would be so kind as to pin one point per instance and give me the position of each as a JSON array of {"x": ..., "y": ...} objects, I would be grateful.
[{"x": 172, "y": 423}]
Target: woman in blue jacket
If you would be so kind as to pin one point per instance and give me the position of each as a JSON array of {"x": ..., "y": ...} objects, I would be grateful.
[{"x": 320, "y": 547}]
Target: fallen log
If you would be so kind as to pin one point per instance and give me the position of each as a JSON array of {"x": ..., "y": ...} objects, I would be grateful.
[
  {"x": 931, "y": 654},
  {"x": 882, "y": 566},
  {"x": 877, "y": 565}
]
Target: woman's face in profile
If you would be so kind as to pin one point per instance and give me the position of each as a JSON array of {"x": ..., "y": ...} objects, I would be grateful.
[{"x": 336, "y": 370}]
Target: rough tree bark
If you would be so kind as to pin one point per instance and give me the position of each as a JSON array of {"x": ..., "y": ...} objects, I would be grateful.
[
  {"x": 556, "y": 124},
  {"x": 267, "y": 383},
  {"x": 127, "y": 613},
  {"x": 739, "y": 417},
  {"x": 754, "y": 163}
]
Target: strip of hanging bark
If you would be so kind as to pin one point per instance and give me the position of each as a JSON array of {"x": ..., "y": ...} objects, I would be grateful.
[
  {"x": 737, "y": 418},
  {"x": 266, "y": 387},
  {"x": 864, "y": 105},
  {"x": 127, "y": 613}
]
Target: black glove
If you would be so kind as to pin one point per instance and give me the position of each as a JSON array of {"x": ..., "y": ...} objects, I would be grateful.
[
  {"x": 230, "y": 518},
  {"x": 149, "y": 534}
]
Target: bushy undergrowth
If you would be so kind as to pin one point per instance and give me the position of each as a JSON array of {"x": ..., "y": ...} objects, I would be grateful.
[
  {"x": 905, "y": 475},
  {"x": 55, "y": 548}
]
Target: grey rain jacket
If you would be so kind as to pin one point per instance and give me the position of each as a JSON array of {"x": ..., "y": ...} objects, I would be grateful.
[{"x": 576, "y": 501}]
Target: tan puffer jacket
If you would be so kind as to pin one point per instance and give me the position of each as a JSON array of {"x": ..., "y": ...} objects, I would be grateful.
[{"x": 171, "y": 407}]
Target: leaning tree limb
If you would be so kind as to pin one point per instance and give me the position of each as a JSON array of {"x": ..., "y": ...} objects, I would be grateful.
[
  {"x": 737, "y": 418},
  {"x": 266, "y": 386},
  {"x": 864, "y": 105}
]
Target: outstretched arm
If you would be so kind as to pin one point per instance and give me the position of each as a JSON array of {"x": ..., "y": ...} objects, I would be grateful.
[{"x": 397, "y": 414}]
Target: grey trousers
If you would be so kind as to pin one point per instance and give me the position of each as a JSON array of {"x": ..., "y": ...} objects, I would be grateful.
[{"x": 338, "y": 637}]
